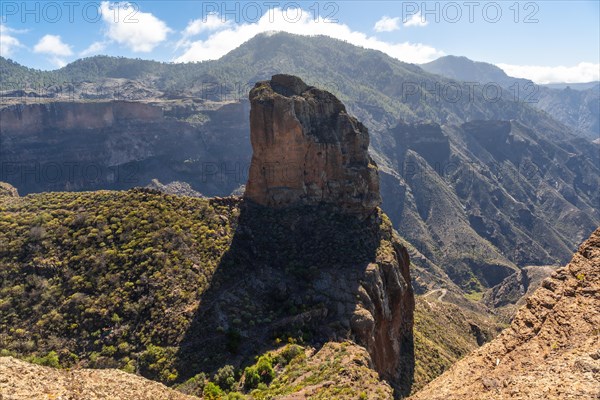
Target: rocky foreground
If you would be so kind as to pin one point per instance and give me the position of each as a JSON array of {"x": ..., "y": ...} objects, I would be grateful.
[
  {"x": 20, "y": 380},
  {"x": 551, "y": 350}
]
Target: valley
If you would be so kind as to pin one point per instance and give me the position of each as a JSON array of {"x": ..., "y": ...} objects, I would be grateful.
[
  {"x": 530, "y": 175},
  {"x": 301, "y": 218}
]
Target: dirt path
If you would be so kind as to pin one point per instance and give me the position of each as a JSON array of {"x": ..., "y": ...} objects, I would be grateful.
[{"x": 442, "y": 292}]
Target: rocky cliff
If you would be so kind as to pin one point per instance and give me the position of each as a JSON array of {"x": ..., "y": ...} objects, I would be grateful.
[
  {"x": 323, "y": 257},
  {"x": 312, "y": 273},
  {"x": 477, "y": 199},
  {"x": 513, "y": 291},
  {"x": 550, "y": 351},
  {"x": 34, "y": 118},
  {"x": 308, "y": 150},
  {"x": 117, "y": 145}
]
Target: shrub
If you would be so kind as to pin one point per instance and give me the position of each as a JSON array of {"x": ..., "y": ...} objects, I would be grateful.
[
  {"x": 212, "y": 392},
  {"x": 49, "y": 360},
  {"x": 194, "y": 385},
  {"x": 261, "y": 372},
  {"x": 290, "y": 352},
  {"x": 264, "y": 367},
  {"x": 225, "y": 378},
  {"x": 156, "y": 362},
  {"x": 251, "y": 378}
]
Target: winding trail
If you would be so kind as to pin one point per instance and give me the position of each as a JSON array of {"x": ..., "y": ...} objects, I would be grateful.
[{"x": 441, "y": 296}]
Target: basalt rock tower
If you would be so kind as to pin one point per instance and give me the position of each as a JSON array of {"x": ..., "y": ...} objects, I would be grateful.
[
  {"x": 307, "y": 150},
  {"x": 311, "y": 170}
]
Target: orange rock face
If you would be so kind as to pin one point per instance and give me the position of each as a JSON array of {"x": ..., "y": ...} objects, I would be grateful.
[{"x": 308, "y": 150}]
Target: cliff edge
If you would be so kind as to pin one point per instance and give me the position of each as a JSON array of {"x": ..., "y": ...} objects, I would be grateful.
[{"x": 550, "y": 351}]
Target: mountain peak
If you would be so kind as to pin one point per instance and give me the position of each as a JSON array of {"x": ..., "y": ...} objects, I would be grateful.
[
  {"x": 464, "y": 69},
  {"x": 307, "y": 149}
]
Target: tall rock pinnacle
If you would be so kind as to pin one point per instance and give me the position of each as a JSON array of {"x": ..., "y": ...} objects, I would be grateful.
[{"x": 307, "y": 150}]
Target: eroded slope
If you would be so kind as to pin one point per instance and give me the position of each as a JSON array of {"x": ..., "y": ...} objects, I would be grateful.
[{"x": 550, "y": 351}]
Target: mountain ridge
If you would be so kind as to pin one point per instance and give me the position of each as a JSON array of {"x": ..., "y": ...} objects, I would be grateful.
[
  {"x": 576, "y": 105},
  {"x": 543, "y": 167}
]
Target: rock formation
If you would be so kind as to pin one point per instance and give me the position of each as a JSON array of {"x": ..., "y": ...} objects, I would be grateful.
[
  {"x": 550, "y": 351},
  {"x": 308, "y": 150},
  {"x": 86, "y": 146},
  {"x": 507, "y": 296},
  {"x": 313, "y": 236},
  {"x": 34, "y": 118},
  {"x": 317, "y": 272},
  {"x": 427, "y": 139},
  {"x": 9, "y": 190}
]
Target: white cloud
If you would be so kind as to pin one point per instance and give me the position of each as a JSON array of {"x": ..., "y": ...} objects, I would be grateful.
[
  {"x": 582, "y": 72},
  {"x": 139, "y": 31},
  {"x": 416, "y": 20},
  {"x": 93, "y": 48},
  {"x": 53, "y": 45},
  {"x": 58, "y": 62},
  {"x": 387, "y": 24},
  {"x": 8, "y": 42},
  {"x": 212, "y": 22},
  {"x": 226, "y": 39}
]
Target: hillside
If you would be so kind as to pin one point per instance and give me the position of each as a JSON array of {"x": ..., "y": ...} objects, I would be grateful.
[
  {"x": 204, "y": 293},
  {"x": 23, "y": 381},
  {"x": 575, "y": 105},
  {"x": 116, "y": 279},
  {"x": 189, "y": 123},
  {"x": 551, "y": 350}
]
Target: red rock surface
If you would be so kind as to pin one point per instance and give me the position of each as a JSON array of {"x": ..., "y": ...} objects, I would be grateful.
[{"x": 308, "y": 150}]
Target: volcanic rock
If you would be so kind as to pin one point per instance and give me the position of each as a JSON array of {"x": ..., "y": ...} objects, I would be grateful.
[{"x": 308, "y": 150}]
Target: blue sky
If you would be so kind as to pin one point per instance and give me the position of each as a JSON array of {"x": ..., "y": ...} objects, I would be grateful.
[{"x": 547, "y": 41}]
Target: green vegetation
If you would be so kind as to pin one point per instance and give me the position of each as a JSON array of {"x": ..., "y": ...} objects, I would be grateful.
[
  {"x": 212, "y": 392},
  {"x": 225, "y": 377},
  {"x": 112, "y": 277},
  {"x": 474, "y": 296},
  {"x": 336, "y": 371},
  {"x": 49, "y": 360},
  {"x": 444, "y": 333},
  {"x": 261, "y": 372}
]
